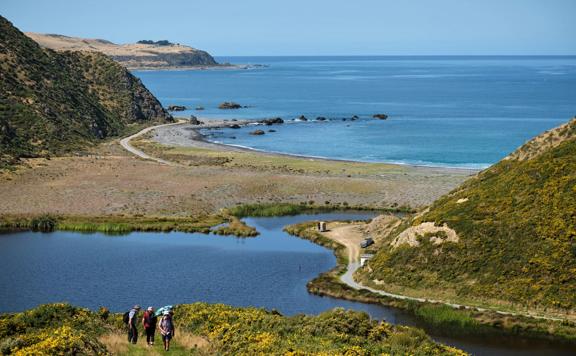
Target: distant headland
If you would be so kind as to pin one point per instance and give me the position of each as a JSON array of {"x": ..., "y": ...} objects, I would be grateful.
[{"x": 143, "y": 55}]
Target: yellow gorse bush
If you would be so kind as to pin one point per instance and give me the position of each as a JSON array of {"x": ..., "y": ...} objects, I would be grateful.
[
  {"x": 61, "y": 341},
  {"x": 60, "y": 329},
  {"x": 252, "y": 331}
]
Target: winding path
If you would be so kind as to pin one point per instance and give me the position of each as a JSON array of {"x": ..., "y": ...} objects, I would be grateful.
[
  {"x": 125, "y": 143},
  {"x": 350, "y": 236}
]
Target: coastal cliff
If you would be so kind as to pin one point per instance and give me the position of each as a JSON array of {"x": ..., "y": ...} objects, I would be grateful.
[
  {"x": 141, "y": 55},
  {"x": 59, "y": 102}
]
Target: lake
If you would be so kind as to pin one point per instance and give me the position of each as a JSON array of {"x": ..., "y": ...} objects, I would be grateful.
[
  {"x": 269, "y": 271},
  {"x": 444, "y": 111}
]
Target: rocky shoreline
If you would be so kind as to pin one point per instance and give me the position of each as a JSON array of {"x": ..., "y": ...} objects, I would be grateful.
[{"x": 190, "y": 135}]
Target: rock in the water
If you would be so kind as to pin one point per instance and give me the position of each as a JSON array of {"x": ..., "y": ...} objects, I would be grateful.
[
  {"x": 320, "y": 118},
  {"x": 302, "y": 118},
  {"x": 257, "y": 133},
  {"x": 228, "y": 105},
  {"x": 271, "y": 130},
  {"x": 268, "y": 122},
  {"x": 176, "y": 108},
  {"x": 194, "y": 120},
  {"x": 380, "y": 116},
  {"x": 235, "y": 126},
  {"x": 199, "y": 108}
]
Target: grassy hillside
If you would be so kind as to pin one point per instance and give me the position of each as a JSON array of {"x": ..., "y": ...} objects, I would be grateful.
[
  {"x": 52, "y": 103},
  {"x": 60, "y": 329},
  {"x": 516, "y": 224}
]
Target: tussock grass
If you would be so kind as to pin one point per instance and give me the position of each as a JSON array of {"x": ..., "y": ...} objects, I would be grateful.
[
  {"x": 108, "y": 228},
  {"x": 288, "y": 209},
  {"x": 268, "y": 210},
  {"x": 192, "y": 342},
  {"x": 237, "y": 228},
  {"x": 111, "y": 224},
  {"x": 447, "y": 318},
  {"x": 116, "y": 343}
]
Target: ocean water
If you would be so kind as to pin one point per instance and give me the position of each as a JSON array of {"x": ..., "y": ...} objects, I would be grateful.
[{"x": 444, "y": 111}]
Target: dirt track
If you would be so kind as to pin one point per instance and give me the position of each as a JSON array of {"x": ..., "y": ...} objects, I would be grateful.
[
  {"x": 125, "y": 142},
  {"x": 349, "y": 236}
]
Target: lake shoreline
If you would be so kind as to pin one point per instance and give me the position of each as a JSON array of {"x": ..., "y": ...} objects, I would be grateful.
[{"x": 463, "y": 322}]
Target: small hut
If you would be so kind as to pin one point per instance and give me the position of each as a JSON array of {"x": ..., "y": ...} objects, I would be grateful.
[{"x": 322, "y": 226}]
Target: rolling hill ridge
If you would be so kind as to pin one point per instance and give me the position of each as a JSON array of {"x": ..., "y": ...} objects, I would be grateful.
[{"x": 58, "y": 102}]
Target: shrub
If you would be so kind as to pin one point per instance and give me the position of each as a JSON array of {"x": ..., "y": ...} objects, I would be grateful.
[
  {"x": 44, "y": 223},
  {"x": 10, "y": 344}
]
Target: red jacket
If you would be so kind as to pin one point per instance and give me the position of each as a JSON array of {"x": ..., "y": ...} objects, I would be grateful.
[{"x": 149, "y": 319}]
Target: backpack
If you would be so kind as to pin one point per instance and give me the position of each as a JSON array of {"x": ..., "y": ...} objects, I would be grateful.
[
  {"x": 126, "y": 317},
  {"x": 166, "y": 323}
]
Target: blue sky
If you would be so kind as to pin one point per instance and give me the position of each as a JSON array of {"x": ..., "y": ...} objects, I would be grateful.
[{"x": 314, "y": 27}]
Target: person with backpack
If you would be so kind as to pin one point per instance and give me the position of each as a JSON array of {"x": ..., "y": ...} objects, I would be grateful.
[
  {"x": 130, "y": 318},
  {"x": 149, "y": 321},
  {"x": 167, "y": 329}
]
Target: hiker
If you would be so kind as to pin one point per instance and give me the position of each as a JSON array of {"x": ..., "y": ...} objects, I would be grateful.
[
  {"x": 132, "y": 329},
  {"x": 149, "y": 321},
  {"x": 167, "y": 329}
]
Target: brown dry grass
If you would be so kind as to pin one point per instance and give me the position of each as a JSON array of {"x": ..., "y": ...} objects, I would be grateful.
[
  {"x": 193, "y": 342},
  {"x": 111, "y": 181},
  {"x": 65, "y": 43},
  {"x": 116, "y": 343}
]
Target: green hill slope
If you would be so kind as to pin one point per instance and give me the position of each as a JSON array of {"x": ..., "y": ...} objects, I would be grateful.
[
  {"x": 515, "y": 240},
  {"x": 53, "y": 103}
]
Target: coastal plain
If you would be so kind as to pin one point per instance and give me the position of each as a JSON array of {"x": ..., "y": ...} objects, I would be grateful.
[{"x": 107, "y": 180}]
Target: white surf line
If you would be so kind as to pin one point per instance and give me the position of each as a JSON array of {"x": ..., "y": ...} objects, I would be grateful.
[
  {"x": 348, "y": 279},
  {"x": 125, "y": 143}
]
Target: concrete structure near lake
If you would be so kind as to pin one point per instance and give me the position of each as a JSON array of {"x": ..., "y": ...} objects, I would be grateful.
[
  {"x": 365, "y": 258},
  {"x": 322, "y": 226}
]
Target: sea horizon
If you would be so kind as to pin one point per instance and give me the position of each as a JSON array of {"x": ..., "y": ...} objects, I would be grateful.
[
  {"x": 397, "y": 56},
  {"x": 444, "y": 111}
]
